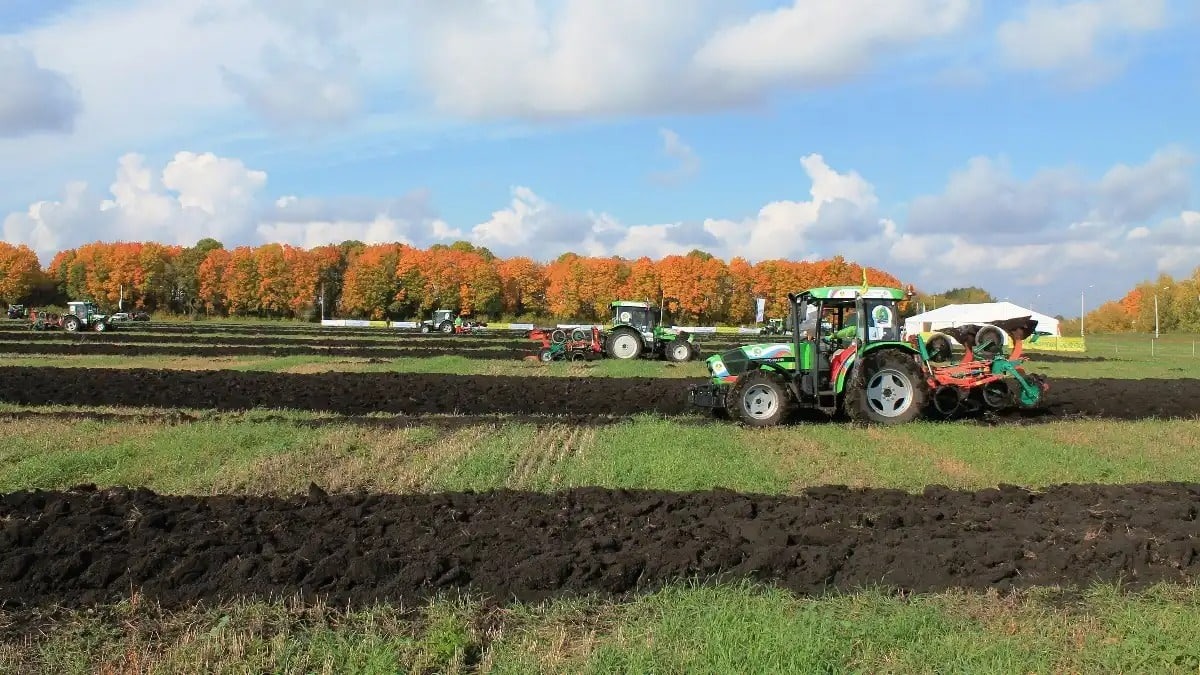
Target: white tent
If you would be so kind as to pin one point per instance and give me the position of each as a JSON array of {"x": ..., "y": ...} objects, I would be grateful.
[{"x": 952, "y": 316}]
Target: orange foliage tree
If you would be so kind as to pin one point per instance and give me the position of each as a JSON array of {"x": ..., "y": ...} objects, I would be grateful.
[
  {"x": 395, "y": 280},
  {"x": 19, "y": 272}
]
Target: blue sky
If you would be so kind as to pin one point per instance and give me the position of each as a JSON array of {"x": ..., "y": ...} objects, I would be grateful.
[{"x": 1029, "y": 147}]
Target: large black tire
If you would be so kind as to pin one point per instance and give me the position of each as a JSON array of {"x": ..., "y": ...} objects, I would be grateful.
[
  {"x": 100, "y": 326},
  {"x": 624, "y": 343},
  {"x": 760, "y": 399},
  {"x": 679, "y": 351},
  {"x": 887, "y": 387},
  {"x": 425, "y": 328},
  {"x": 446, "y": 327},
  {"x": 71, "y": 324}
]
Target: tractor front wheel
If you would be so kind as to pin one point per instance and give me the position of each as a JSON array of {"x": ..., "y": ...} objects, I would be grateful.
[
  {"x": 889, "y": 389},
  {"x": 624, "y": 344},
  {"x": 425, "y": 328},
  {"x": 760, "y": 399}
]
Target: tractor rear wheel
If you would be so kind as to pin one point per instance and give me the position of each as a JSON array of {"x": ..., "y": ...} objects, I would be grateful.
[
  {"x": 446, "y": 327},
  {"x": 624, "y": 344},
  {"x": 71, "y": 324},
  {"x": 760, "y": 399},
  {"x": 679, "y": 351},
  {"x": 889, "y": 389}
]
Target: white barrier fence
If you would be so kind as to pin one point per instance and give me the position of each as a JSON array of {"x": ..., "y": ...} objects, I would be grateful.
[{"x": 363, "y": 323}]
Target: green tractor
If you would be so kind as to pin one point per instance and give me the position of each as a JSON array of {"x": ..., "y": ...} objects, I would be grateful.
[
  {"x": 85, "y": 315},
  {"x": 638, "y": 329},
  {"x": 833, "y": 363}
]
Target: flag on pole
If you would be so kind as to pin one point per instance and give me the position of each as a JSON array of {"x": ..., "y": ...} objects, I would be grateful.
[{"x": 761, "y": 304}]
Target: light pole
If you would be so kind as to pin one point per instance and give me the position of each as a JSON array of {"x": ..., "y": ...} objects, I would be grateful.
[
  {"x": 1082, "y": 311},
  {"x": 1164, "y": 288}
]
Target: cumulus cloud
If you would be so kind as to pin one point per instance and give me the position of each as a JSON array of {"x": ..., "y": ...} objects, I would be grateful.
[
  {"x": 522, "y": 59},
  {"x": 987, "y": 203},
  {"x": 822, "y": 41},
  {"x": 1053, "y": 36},
  {"x": 842, "y": 208},
  {"x": 986, "y": 227},
  {"x": 194, "y": 196},
  {"x": 310, "y": 222},
  {"x": 687, "y": 161},
  {"x": 34, "y": 99}
]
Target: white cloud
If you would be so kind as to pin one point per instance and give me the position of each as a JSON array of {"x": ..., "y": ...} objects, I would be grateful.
[
  {"x": 822, "y": 41},
  {"x": 688, "y": 162},
  {"x": 33, "y": 99},
  {"x": 603, "y": 57},
  {"x": 985, "y": 228},
  {"x": 986, "y": 202},
  {"x": 1055, "y": 36},
  {"x": 194, "y": 196},
  {"x": 842, "y": 209}
]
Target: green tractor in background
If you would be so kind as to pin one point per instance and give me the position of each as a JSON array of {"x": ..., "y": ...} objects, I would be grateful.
[
  {"x": 638, "y": 330},
  {"x": 833, "y": 364}
]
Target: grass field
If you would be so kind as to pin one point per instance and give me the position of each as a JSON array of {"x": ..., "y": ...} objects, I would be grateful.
[
  {"x": 681, "y": 629},
  {"x": 740, "y": 627}
]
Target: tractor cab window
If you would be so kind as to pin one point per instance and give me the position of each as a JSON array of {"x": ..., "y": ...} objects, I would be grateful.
[
  {"x": 883, "y": 321},
  {"x": 638, "y": 317}
]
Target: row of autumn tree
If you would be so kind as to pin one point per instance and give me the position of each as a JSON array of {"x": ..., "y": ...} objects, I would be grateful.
[
  {"x": 1178, "y": 308},
  {"x": 398, "y": 281}
]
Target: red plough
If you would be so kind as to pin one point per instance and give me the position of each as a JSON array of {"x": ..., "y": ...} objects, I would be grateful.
[{"x": 557, "y": 344}]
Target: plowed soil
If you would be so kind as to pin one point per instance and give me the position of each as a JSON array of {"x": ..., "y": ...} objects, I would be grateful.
[
  {"x": 385, "y": 340},
  {"x": 95, "y": 348},
  {"x": 85, "y": 547},
  {"x": 420, "y": 393}
]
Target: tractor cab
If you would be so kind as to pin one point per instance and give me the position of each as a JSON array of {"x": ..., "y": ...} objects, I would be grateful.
[
  {"x": 833, "y": 331},
  {"x": 84, "y": 310},
  {"x": 641, "y": 316}
]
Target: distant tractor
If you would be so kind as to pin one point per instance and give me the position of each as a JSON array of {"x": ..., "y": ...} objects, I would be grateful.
[
  {"x": 442, "y": 322},
  {"x": 445, "y": 321},
  {"x": 17, "y": 312},
  {"x": 80, "y": 316},
  {"x": 638, "y": 330}
]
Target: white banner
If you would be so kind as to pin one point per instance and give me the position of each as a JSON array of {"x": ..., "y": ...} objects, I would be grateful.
[{"x": 762, "y": 310}]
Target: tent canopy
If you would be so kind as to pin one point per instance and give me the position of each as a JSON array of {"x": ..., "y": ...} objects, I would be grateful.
[{"x": 952, "y": 316}]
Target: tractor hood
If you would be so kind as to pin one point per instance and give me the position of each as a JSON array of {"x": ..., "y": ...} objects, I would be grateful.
[{"x": 733, "y": 363}]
